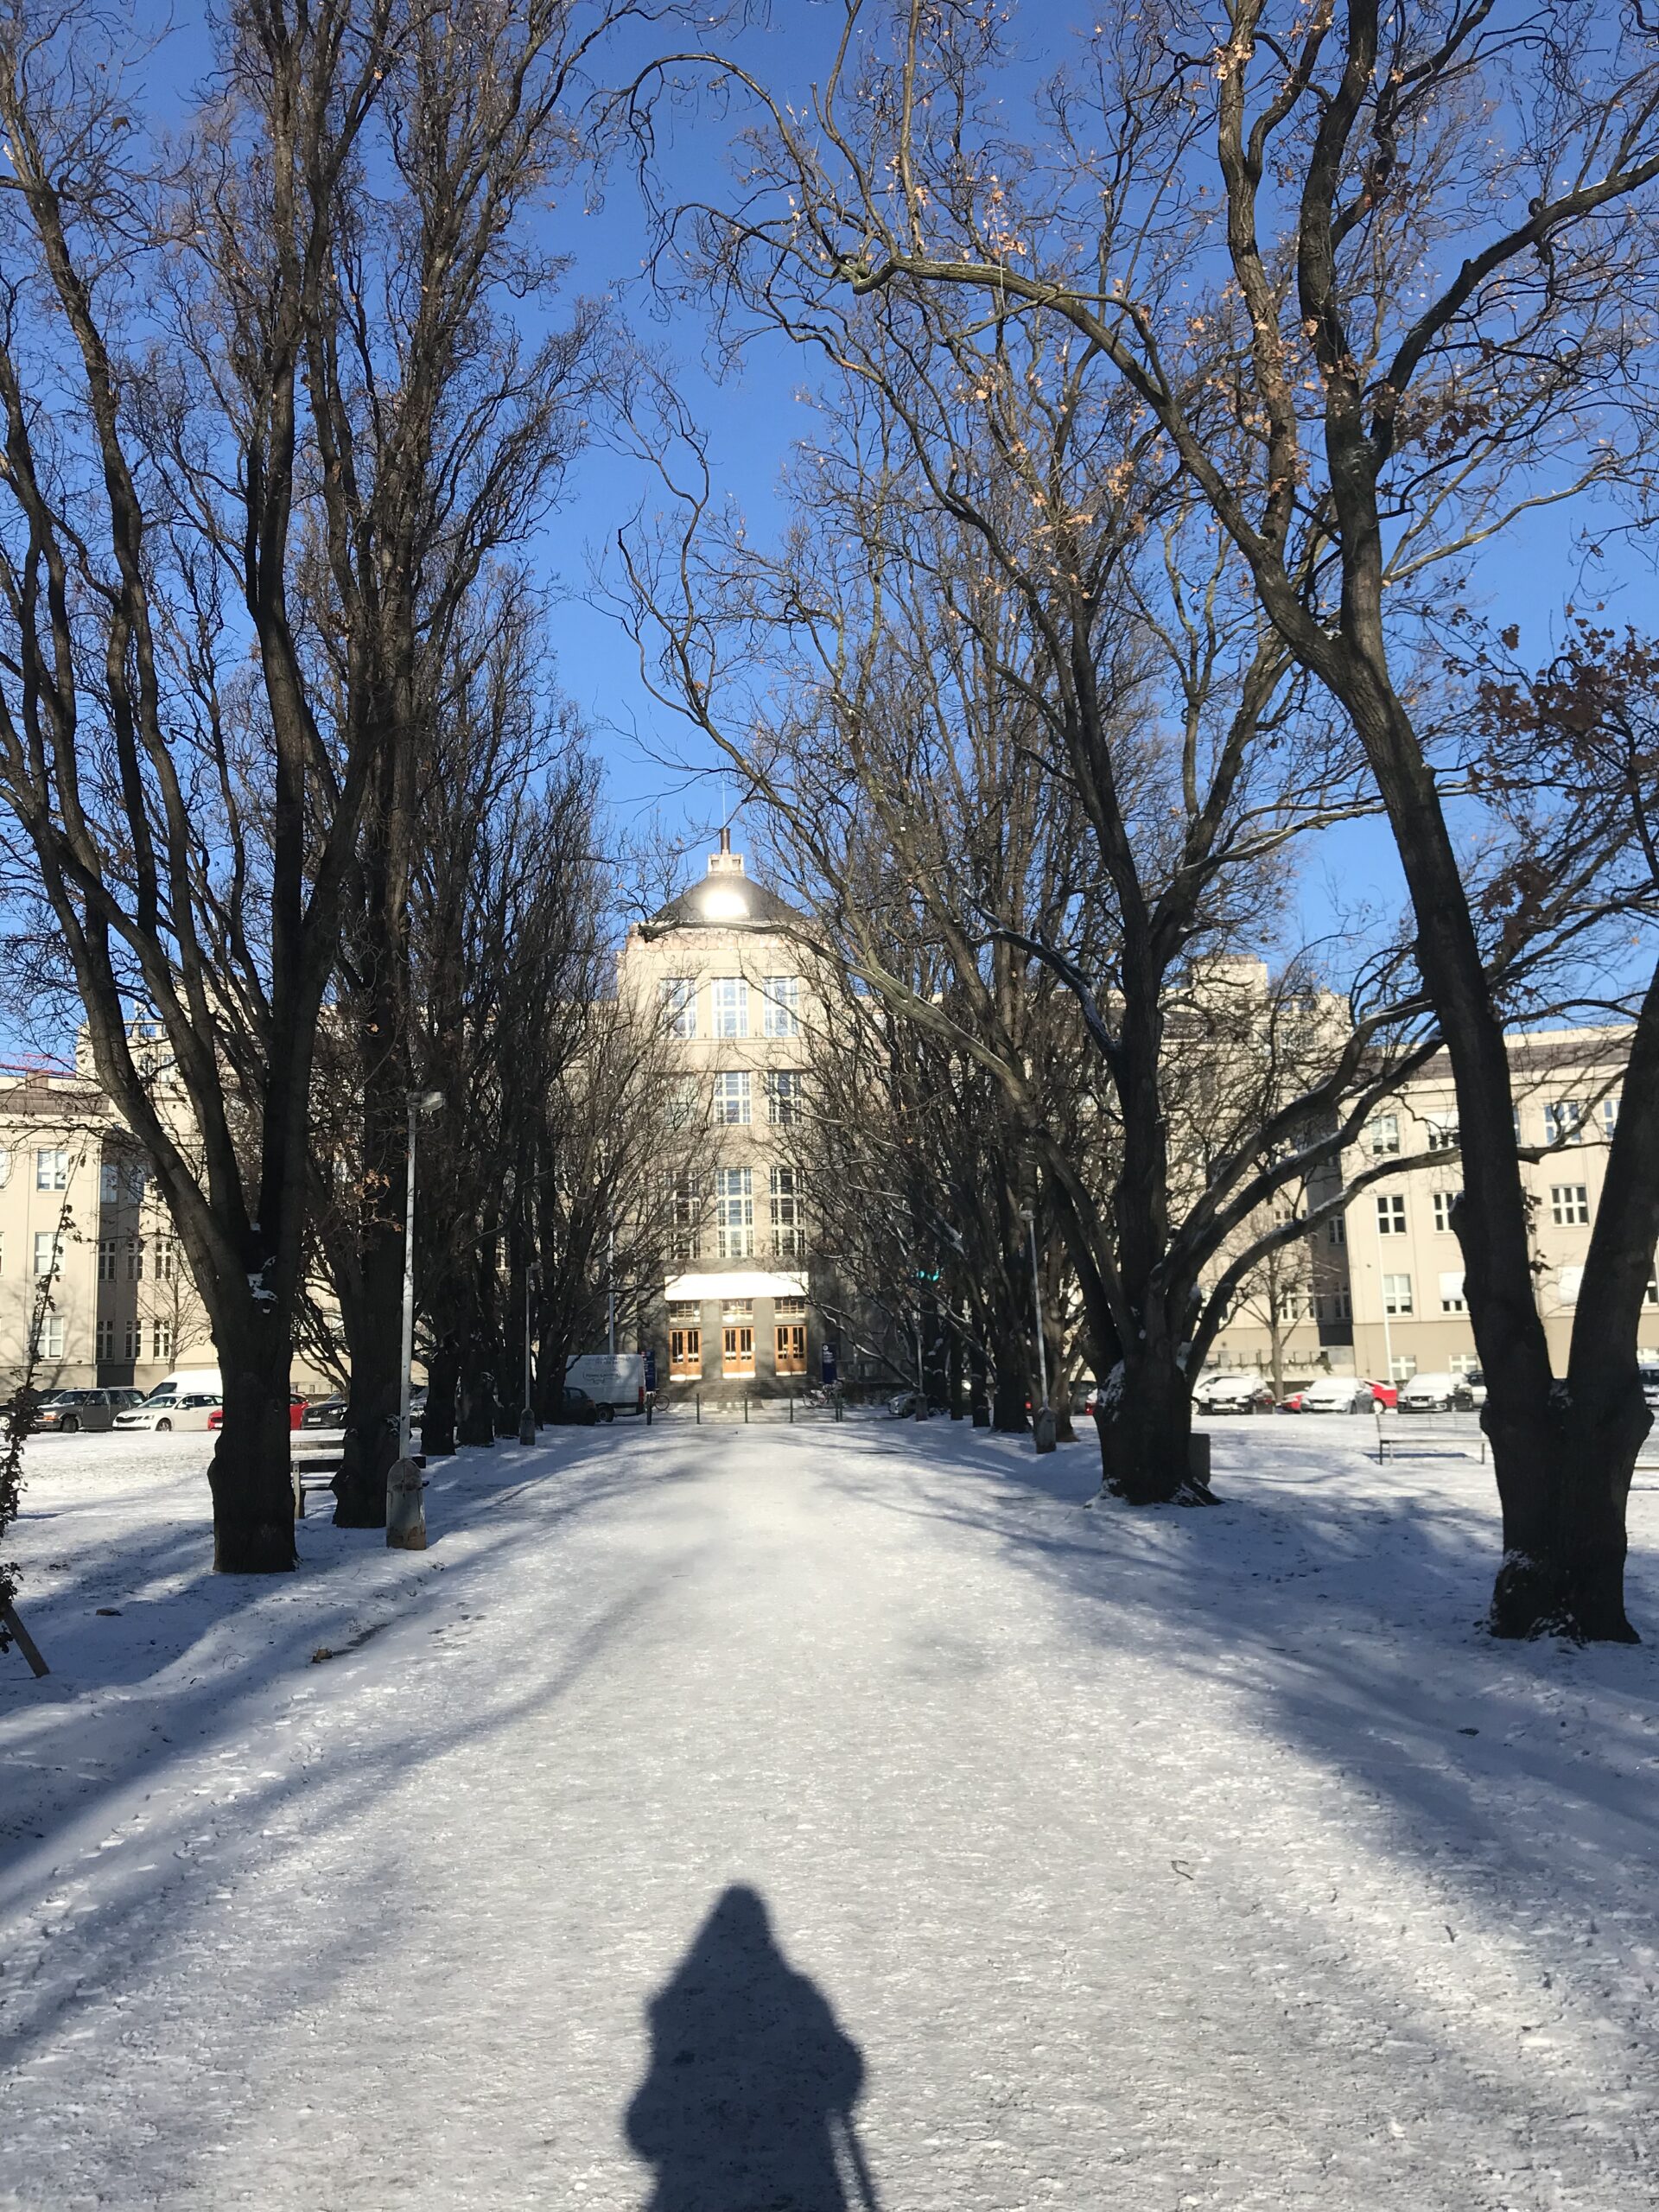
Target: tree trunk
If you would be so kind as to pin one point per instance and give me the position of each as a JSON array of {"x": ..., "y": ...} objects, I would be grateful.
[
  {"x": 978, "y": 1409},
  {"x": 477, "y": 1422},
  {"x": 252, "y": 1474},
  {"x": 1144, "y": 1412},
  {"x": 953, "y": 1375},
  {"x": 442, "y": 1380},
  {"x": 1009, "y": 1385},
  {"x": 374, "y": 1337}
]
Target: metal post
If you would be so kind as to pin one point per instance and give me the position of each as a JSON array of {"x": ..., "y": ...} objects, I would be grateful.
[
  {"x": 405, "y": 1508},
  {"x": 745, "y": 1409},
  {"x": 527, "y": 1417},
  {"x": 699, "y": 1410},
  {"x": 610, "y": 1291},
  {"x": 921, "y": 1380},
  {"x": 1042, "y": 1420}
]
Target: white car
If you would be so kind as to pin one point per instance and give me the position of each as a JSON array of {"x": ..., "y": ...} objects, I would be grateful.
[
  {"x": 1232, "y": 1394},
  {"x": 1433, "y": 1393},
  {"x": 1336, "y": 1393},
  {"x": 189, "y": 1409}
]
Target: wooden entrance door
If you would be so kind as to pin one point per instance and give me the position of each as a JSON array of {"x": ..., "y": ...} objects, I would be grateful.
[
  {"x": 739, "y": 1349},
  {"x": 792, "y": 1348},
  {"x": 685, "y": 1354}
]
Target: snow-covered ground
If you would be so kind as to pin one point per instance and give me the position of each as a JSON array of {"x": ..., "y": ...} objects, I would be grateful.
[{"x": 831, "y": 1817}]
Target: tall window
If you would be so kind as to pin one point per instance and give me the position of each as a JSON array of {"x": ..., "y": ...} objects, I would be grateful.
[
  {"x": 681, "y": 1102},
  {"x": 731, "y": 1096},
  {"x": 106, "y": 1340},
  {"x": 161, "y": 1340},
  {"x": 783, "y": 997},
  {"x": 109, "y": 1183},
  {"x": 1562, "y": 1122},
  {"x": 51, "y": 1338},
  {"x": 730, "y": 997},
  {"x": 784, "y": 1095},
  {"x": 787, "y": 1238},
  {"x": 687, "y": 1203},
  {"x": 1442, "y": 1131},
  {"x": 1451, "y": 1300},
  {"x": 131, "y": 1351},
  {"x": 1391, "y": 1215},
  {"x": 163, "y": 1250},
  {"x": 1382, "y": 1133},
  {"x": 1336, "y": 1229},
  {"x": 678, "y": 995},
  {"x": 106, "y": 1259},
  {"x": 134, "y": 1259},
  {"x": 1569, "y": 1205},
  {"x": 133, "y": 1179},
  {"x": 734, "y": 1212},
  {"x": 47, "y": 1252},
  {"x": 1444, "y": 1202},
  {"x": 52, "y": 1169},
  {"x": 1610, "y": 1115},
  {"x": 1396, "y": 1294}
]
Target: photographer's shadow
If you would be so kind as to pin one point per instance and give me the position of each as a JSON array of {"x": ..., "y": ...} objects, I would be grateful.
[{"x": 747, "y": 2106}]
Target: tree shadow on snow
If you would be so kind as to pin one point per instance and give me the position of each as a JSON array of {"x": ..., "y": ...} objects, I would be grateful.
[{"x": 747, "y": 2105}]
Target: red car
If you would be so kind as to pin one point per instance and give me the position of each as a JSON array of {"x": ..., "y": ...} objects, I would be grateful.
[
  {"x": 1387, "y": 1396},
  {"x": 296, "y": 1413}
]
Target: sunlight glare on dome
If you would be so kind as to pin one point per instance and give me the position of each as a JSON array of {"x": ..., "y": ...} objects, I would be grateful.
[{"x": 724, "y": 904}]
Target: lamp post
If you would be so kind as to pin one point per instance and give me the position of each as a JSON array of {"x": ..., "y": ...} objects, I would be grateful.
[
  {"x": 527, "y": 1417},
  {"x": 1042, "y": 1422},
  {"x": 405, "y": 1510},
  {"x": 610, "y": 1292}
]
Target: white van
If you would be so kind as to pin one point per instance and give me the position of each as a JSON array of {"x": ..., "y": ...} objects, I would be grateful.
[
  {"x": 610, "y": 1378},
  {"x": 187, "y": 1383}
]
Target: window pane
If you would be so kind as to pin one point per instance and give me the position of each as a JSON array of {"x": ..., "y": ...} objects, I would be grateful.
[
  {"x": 730, "y": 997},
  {"x": 783, "y": 998},
  {"x": 678, "y": 995}
]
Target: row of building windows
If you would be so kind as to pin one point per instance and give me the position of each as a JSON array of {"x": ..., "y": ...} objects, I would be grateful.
[
  {"x": 1569, "y": 1208},
  {"x": 735, "y": 1098},
  {"x": 728, "y": 1006},
  {"x": 733, "y": 1221},
  {"x": 160, "y": 1252},
  {"x": 54, "y": 1164},
  {"x": 1565, "y": 1122},
  {"x": 1397, "y": 1296},
  {"x": 134, "y": 1335}
]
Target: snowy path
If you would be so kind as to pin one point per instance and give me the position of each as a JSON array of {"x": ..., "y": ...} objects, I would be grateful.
[{"x": 1207, "y": 1859}]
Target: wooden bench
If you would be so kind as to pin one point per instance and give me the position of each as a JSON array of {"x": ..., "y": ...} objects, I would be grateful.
[{"x": 315, "y": 1456}]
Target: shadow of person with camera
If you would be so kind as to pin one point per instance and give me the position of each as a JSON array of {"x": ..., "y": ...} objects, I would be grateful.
[{"x": 747, "y": 2105}]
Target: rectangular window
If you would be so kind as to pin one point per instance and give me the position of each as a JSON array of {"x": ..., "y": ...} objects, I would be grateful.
[
  {"x": 47, "y": 1252},
  {"x": 1463, "y": 1362},
  {"x": 134, "y": 1259},
  {"x": 784, "y": 1095},
  {"x": 131, "y": 1351},
  {"x": 783, "y": 997},
  {"x": 789, "y": 1347},
  {"x": 682, "y": 1104},
  {"x": 51, "y": 1336},
  {"x": 106, "y": 1259},
  {"x": 1610, "y": 1115},
  {"x": 1396, "y": 1294},
  {"x": 1401, "y": 1368},
  {"x": 1391, "y": 1215},
  {"x": 52, "y": 1169},
  {"x": 1452, "y": 1293},
  {"x": 1337, "y": 1306},
  {"x": 163, "y": 1251},
  {"x": 1569, "y": 1281},
  {"x": 161, "y": 1340},
  {"x": 734, "y": 1212},
  {"x": 133, "y": 1179},
  {"x": 1444, "y": 1202},
  {"x": 1442, "y": 1131},
  {"x": 786, "y": 1236},
  {"x": 1562, "y": 1122},
  {"x": 729, "y": 996},
  {"x": 1336, "y": 1229},
  {"x": 678, "y": 996},
  {"x": 1383, "y": 1135},
  {"x": 687, "y": 1239},
  {"x": 789, "y": 1309},
  {"x": 106, "y": 1340},
  {"x": 732, "y": 1097},
  {"x": 1569, "y": 1205},
  {"x": 109, "y": 1183}
]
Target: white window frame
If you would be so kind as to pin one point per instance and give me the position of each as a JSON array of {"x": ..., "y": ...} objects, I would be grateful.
[
  {"x": 783, "y": 1097},
  {"x": 734, "y": 1213},
  {"x": 161, "y": 1338},
  {"x": 1563, "y": 1122},
  {"x": 1391, "y": 1214},
  {"x": 1397, "y": 1303},
  {"x": 49, "y": 1344},
  {"x": 1569, "y": 1205},
  {"x": 49, "y": 1253},
  {"x": 1444, "y": 1202},
  {"x": 1451, "y": 1297},
  {"x": 106, "y": 1259},
  {"x": 733, "y": 1098},
  {"x": 728, "y": 1003},
  {"x": 105, "y": 1339},
  {"x": 782, "y": 995},
  {"x": 678, "y": 995},
  {"x": 1383, "y": 1135},
  {"x": 51, "y": 1167}
]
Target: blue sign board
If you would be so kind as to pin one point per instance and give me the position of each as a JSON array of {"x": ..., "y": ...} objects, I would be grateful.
[
  {"x": 827, "y": 1363},
  {"x": 651, "y": 1370}
]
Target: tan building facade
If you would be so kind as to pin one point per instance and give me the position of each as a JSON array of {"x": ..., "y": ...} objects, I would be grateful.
[
  {"x": 1402, "y": 1305},
  {"x": 721, "y": 971}
]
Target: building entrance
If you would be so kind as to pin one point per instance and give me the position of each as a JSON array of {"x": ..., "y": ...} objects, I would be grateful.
[{"x": 685, "y": 1355}]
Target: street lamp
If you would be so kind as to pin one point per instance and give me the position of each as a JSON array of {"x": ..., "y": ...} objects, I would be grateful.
[
  {"x": 1042, "y": 1423},
  {"x": 527, "y": 1418},
  {"x": 405, "y": 1510}
]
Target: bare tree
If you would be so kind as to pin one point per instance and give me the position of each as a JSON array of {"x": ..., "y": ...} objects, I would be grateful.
[{"x": 1374, "y": 277}]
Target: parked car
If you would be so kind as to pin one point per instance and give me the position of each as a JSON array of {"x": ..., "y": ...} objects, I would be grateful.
[
  {"x": 1385, "y": 1396},
  {"x": 1232, "y": 1394},
  {"x": 580, "y": 1410},
  {"x": 65, "y": 1411},
  {"x": 187, "y": 1410},
  {"x": 296, "y": 1412},
  {"x": 1647, "y": 1369},
  {"x": 1430, "y": 1394},
  {"x": 1332, "y": 1393},
  {"x": 323, "y": 1413},
  {"x": 1474, "y": 1387}
]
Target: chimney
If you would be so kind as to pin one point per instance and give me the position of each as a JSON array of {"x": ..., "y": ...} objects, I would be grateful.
[{"x": 726, "y": 861}]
